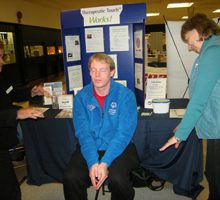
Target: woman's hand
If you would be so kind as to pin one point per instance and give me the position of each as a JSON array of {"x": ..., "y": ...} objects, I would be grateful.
[
  {"x": 25, "y": 113},
  {"x": 172, "y": 141}
]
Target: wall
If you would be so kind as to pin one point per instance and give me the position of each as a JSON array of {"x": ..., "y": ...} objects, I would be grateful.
[
  {"x": 32, "y": 14},
  {"x": 177, "y": 85}
]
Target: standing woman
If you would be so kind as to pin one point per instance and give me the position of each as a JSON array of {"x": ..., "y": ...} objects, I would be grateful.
[
  {"x": 202, "y": 35},
  {"x": 9, "y": 116}
]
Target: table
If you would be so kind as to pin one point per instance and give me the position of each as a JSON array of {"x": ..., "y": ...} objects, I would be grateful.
[
  {"x": 49, "y": 144},
  {"x": 183, "y": 167}
]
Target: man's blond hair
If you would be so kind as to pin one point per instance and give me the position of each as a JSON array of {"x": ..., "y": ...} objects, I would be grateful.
[{"x": 102, "y": 57}]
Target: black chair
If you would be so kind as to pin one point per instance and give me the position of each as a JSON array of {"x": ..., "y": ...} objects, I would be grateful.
[{"x": 18, "y": 155}]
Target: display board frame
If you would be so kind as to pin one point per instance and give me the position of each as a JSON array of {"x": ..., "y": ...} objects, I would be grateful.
[{"x": 106, "y": 26}]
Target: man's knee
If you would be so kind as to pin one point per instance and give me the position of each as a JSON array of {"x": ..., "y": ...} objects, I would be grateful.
[
  {"x": 70, "y": 177},
  {"x": 118, "y": 178}
]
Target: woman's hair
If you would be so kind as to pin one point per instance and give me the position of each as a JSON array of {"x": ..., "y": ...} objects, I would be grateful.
[
  {"x": 205, "y": 26},
  {"x": 104, "y": 58}
]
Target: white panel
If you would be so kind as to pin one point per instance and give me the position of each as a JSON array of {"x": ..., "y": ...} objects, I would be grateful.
[{"x": 177, "y": 81}]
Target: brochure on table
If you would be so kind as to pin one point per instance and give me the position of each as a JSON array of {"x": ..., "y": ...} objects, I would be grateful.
[
  {"x": 155, "y": 89},
  {"x": 116, "y": 30},
  {"x": 65, "y": 101},
  {"x": 52, "y": 88}
]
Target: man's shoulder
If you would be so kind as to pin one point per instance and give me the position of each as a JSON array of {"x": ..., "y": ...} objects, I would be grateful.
[
  {"x": 85, "y": 91},
  {"x": 118, "y": 87}
]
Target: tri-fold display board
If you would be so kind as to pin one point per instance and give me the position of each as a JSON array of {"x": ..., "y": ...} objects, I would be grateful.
[{"x": 116, "y": 30}]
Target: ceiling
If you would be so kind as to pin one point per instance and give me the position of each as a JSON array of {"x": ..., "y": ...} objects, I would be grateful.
[
  {"x": 199, "y": 6},
  {"x": 202, "y": 6}
]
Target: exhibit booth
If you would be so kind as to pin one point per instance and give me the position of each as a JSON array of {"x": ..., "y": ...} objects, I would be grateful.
[{"x": 116, "y": 30}]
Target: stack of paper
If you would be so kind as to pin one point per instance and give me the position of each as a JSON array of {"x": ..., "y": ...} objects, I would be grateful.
[{"x": 177, "y": 113}]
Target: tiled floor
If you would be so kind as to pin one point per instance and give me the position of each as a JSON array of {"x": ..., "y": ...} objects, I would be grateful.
[{"x": 54, "y": 191}]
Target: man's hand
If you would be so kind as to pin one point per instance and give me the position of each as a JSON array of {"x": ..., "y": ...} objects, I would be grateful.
[
  {"x": 38, "y": 90},
  {"x": 98, "y": 173},
  {"x": 173, "y": 140},
  {"x": 102, "y": 174},
  {"x": 25, "y": 113},
  {"x": 93, "y": 173}
]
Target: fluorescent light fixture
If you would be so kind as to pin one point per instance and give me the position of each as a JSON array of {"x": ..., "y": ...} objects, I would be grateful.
[
  {"x": 152, "y": 14},
  {"x": 216, "y": 11},
  {"x": 179, "y": 5},
  {"x": 184, "y": 17}
]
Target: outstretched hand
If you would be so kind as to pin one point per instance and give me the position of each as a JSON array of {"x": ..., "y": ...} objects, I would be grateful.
[
  {"x": 30, "y": 112},
  {"x": 171, "y": 141}
]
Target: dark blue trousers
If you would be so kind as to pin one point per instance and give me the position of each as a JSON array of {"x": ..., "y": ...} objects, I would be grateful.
[
  {"x": 212, "y": 170},
  {"x": 9, "y": 186}
]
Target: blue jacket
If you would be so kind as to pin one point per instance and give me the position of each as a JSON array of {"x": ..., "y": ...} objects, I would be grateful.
[
  {"x": 203, "y": 110},
  {"x": 110, "y": 129}
]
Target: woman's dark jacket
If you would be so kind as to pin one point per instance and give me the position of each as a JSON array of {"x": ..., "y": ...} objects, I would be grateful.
[{"x": 8, "y": 112}]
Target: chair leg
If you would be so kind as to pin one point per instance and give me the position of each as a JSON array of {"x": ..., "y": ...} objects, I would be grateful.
[
  {"x": 97, "y": 194},
  {"x": 103, "y": 189},
  {"x": 22, "y": 180}
]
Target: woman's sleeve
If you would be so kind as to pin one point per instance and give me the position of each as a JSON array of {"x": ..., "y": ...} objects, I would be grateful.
[
  {"x": 209, "y": 73},
  {"x": 8, "y": 117}
]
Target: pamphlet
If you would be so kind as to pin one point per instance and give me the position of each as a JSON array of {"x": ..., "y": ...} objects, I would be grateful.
[
  {"x": 177, "y": 113},
  {"x": 52, "y": 88}
]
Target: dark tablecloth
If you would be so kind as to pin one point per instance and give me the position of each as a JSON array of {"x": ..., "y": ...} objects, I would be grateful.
[{"x": 49, "y": 144}]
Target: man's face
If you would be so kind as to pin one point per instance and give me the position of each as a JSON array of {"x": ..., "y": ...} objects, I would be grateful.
[
  {"x": 194, "y": 41},
  {"x": 1, "y": 59},
  {"x": 100, "y": 74}
]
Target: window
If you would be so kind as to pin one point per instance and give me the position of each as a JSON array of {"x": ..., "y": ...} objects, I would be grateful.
[
  {"x": 36, "y": 51},
  {"x": 51, "y": 50},
  {"x": 7, "y": 38}
]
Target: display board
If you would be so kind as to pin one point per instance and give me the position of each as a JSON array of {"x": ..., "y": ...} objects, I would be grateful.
[{"x": 116, "y": 30}]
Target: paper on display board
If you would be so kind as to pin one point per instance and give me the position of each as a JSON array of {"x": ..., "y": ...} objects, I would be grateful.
[
  {"x": 139, "y": 76},
  {"x": 94, "y": 38},
  {"x": 103, "y": 15},
  {"x": 119, "y": 38},
  {"x": 123, "y": 82},
  {"x": 115, "y": 59},
  {"x": 138, "y": 46},
  {"x": 75, "y": 77},
  {"x": 72, "y": 48}
]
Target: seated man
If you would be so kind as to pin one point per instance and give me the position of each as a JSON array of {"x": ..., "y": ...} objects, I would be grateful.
[{"x": 105, "y": 118}]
